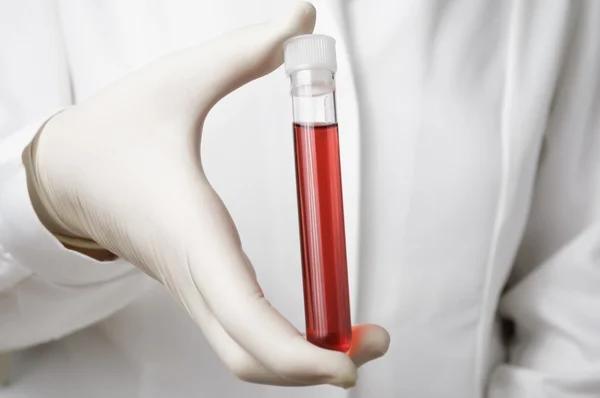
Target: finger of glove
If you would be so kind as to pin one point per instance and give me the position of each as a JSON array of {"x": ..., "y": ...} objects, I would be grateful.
[
  {"x": 369, "y": 342},
  {"x": 243, "y": 365},
  {"x": 220, "y": 271}
]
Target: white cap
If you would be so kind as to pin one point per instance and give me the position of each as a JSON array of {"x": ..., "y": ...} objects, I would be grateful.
[{"x": 309, "y": 52}]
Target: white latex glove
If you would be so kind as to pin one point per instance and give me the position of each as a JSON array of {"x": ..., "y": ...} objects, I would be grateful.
[{"x": 123, "y": 170}]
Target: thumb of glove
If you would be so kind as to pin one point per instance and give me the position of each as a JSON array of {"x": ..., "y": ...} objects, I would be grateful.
[{"x": 168, "y": 100}]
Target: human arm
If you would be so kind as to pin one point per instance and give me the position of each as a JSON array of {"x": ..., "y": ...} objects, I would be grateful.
[
  {"x": 46, "y": 291},
  {"x": 122, "y": 170}
]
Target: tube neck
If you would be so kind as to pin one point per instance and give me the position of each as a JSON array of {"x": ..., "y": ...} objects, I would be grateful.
[
  {"x": 312, "y": 82},
  {"x": 313, "y": 96}
]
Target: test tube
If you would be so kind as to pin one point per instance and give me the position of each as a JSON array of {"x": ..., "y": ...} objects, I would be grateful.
[{"x": 310, "y": 62}]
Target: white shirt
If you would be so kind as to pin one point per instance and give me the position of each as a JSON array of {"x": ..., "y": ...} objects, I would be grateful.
[{"x": 469, "y": 134}]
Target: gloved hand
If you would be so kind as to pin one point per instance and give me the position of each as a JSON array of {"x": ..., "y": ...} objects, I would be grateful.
[{"x": 122, "y": 171}]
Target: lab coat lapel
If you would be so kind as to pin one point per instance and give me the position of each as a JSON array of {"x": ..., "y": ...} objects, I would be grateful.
[
  {"x": 331, "y": 21},
  {"x": 529, "y": 80},
  {"x": 532, "y": 66}
]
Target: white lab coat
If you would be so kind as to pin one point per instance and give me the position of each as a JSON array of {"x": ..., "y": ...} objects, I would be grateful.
[{"x": 471, "y": 167}]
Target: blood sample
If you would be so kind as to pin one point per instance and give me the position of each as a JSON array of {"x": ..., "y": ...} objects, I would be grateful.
[{"x": 310, "y": 62}]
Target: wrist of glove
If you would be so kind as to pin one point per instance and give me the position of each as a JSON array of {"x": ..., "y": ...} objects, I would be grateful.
[{"x": 50, "y": 221}]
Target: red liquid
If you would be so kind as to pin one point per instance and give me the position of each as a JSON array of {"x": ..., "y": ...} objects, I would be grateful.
[{"x": 322, "y": 235}]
